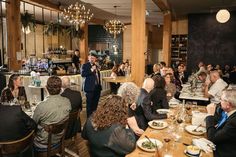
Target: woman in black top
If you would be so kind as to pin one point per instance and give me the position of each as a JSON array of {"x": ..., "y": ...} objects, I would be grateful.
[
  {"x": 158, "y": 94},
  {"x": 14, "y": 90}
]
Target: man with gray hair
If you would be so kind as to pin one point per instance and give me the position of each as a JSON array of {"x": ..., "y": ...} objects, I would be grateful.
[
  {"x": 76, "y": 104},
  {"x": 144, "y": 113},
  {"x": 215, "y": 90},
  {"x": 221, "y": 130}
]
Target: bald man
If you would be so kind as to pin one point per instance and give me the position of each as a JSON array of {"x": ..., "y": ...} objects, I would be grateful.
[
  {"x": 76, "y": 104},
  {"x": 214, "y": 92},
  {"x": 144, "y": 113}
]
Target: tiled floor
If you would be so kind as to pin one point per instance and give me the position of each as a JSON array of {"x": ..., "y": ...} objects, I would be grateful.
[{"x": 82, "y": 147}]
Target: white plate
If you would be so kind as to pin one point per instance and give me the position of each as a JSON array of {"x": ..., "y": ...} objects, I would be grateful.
[
  {"x": 164, "y": 124},
  {"x": 157, "y": 142},
  {"x": 200, "y": 131},
  {"x": 185, "y": 152},
  {"x": 163, "y": 111},
  {"x": 173, "y": 104},
  {"x": 185, "y": 85}
]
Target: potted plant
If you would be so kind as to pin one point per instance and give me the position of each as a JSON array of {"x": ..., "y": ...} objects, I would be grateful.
[
  {"x": 53, "y": 28},
  {"x": 28, "y": 22},
  {"x": 75, "y": 32}
]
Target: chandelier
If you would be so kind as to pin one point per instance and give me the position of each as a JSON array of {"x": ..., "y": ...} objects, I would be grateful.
[
  {"x": 114, "y": 26},
  {"x": 77, "y": 14}
]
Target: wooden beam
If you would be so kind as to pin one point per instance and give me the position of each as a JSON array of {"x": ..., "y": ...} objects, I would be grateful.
[
  {"x": 44, "y": 4},
  {"x": 138, "y": 41},
  {"x": 13, "y": 34},
  {"x": 167, "y": 30},
  {"x": 160, "y": 4},
  {"x": 83, "y": 44}
]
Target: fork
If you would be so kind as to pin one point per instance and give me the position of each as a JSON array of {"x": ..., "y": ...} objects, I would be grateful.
[{"x": 195, "y": 130}]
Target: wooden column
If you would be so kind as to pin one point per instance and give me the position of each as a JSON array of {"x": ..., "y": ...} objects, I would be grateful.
[
  {"x": 83, "y": 44},
  {"x": 138, "y": 41},
  {"x": 13, "y": 33},
  {"x": 167, "y": 29}
]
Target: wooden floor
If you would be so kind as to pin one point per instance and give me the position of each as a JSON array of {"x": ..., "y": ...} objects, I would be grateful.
[{"x": 82, "y": 147}]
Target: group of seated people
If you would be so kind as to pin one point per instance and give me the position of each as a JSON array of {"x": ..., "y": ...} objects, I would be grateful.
[
  {"x": 16, "y": 124},
  {"x": 112, "y": 130}
]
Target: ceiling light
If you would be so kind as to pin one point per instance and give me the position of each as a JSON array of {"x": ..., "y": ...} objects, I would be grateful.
[
  {"x": 222, "y": 16},
  {"x": 77, "y": 14},
  {"x": 114, "y": 26}
]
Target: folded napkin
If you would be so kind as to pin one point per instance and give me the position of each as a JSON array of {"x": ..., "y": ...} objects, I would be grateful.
[{"x": 204, "y": 144}]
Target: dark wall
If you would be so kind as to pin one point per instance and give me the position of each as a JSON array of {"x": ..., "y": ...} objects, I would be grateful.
[
  {"x": 210, "y": 41},
  {"x": 97, "y": 34}
]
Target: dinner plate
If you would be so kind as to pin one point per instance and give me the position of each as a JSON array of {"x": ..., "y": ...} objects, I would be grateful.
[
  {"x": 163, "y": 111},
  {"x": 154, "y": 141},
  {"x": 200, "y": 130},
  {"x": 190, "y": 155},
  {"x": 158, "y": 124}
]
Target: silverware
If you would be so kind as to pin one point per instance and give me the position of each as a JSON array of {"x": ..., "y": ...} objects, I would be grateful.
[
  {"x": 195, "y": 130},
  {"x": 151, "y": 141}
]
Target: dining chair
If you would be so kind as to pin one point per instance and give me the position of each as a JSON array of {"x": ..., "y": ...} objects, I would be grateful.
[{"x": 17, "y": 146}]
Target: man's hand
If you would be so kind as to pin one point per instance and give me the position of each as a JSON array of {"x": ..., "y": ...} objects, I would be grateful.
[
  {"x": 211, "y": 108},
  {"x": 133, "y": 106}
]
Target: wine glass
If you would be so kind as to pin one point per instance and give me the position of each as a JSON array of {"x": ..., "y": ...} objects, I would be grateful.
[
  {"x": 195, "y": 105},
  {"x": 21, "y": 100},
  {"x": 34, "y": 101}
]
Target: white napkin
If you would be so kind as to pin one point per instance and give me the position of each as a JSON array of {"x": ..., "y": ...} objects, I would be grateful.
[{"x": 204, "y": 144}]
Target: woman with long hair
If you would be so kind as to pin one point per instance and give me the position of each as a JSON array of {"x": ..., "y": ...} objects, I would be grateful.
[
  {"x": 14, "y": 90},
  {"x": 106, "y": 130}
]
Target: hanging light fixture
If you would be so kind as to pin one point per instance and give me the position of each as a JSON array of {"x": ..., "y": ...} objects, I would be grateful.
[
  {"x": 114, "y": 26},
  {"x": 222, "y": 16},
  {"x": 77, "y": 14}
]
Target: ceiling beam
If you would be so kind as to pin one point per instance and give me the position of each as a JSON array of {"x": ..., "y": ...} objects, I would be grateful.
[
  {"x": 163, "y": 7},
  {"x": 44, "y": 4}
]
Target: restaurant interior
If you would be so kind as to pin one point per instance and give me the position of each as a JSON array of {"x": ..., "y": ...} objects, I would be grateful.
[{"x": 125, "y": 43}]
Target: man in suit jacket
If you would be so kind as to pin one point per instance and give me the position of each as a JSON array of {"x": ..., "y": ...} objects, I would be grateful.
[
  {"x": 181, "y": 76},
  {"x": 76, "y": 105},
  {"x": 222, "y": 130},
  {"x": 15, "y": 124},
  {"x": 143, "y": 112},
  {"x": 92, "y": 83}
]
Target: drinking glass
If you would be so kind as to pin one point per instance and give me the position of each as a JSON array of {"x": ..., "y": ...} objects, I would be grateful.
[
  {"x": 34, "y": 100},
  {"x": 195, "y": 105},
  {"x": 21, "y": 100}
]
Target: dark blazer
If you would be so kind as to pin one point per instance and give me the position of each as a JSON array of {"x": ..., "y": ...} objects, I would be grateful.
[
  {"x": 90, "y": 78},
  {"x": 159, "y": 99},
  {"x": 76, "y": 104},
  {"x": 143, "y": 113},
  {"x": 14, "y": 123},
  {"x": 7, "y": 96},
  {"x": 184, "y": 79},
  {"x": 113, "y": 141},
  {"x": 224, "y": 137}
]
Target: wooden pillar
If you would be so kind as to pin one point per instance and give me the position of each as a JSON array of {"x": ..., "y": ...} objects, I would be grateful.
[
  {"x": 167, "y": 29},
  {"x": 138, "y": 41},
  {"x": 83, "y": 44},
  {"x": 13, "y": 34}
]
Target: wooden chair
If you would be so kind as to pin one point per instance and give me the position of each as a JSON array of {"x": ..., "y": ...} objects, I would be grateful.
[
  {"x": 56, "y": 128},
  {"x": 17, "y": 146},
  {"x": 73, "y": 118}
]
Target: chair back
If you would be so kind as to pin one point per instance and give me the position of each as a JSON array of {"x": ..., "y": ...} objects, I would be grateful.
[
  {"x": 17, "y": 146},
  {"x": 56, "y": 128}
]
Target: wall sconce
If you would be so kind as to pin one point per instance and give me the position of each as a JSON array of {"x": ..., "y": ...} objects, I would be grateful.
[{"x": 222, "y": 16}]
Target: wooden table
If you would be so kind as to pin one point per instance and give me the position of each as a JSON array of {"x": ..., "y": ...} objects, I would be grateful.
[
  {"x": 118, "y": 79},
  {"x": 176, "y": 149}
]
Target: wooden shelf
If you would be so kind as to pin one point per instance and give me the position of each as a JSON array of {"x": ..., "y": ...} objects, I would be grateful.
[{"x": 179, "y": 48}]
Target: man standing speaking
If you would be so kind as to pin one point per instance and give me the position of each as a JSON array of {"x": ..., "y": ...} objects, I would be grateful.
[{"x": 91, "y": 84}]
